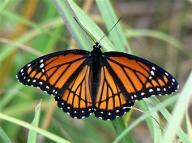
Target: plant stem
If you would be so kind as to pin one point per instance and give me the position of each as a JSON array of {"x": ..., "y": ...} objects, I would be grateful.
[{"x": 119, "y": 127}]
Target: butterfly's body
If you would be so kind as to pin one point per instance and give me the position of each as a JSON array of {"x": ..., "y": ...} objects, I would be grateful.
[
  {"x": 106, "y": 84},
  {"x": 95, "y": 64}
]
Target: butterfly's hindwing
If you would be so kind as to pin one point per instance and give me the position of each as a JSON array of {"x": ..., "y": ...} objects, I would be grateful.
[
  {"x": 76, "y": 98},
  {"x": 111, "y": 101}
]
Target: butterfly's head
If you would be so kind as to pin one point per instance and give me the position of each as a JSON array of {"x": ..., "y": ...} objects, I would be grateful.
[{"x": 97, "y": 45}]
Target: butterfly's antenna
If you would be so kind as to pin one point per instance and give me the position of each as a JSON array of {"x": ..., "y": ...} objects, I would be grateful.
[
  {"x": 84, "y": 29},
  {"x": 110, "y": 29}
]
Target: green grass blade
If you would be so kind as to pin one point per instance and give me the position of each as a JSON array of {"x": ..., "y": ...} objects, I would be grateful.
[
  {"x": 178, "y": 112},
  {"x": 10, "y": 95},
  {"x": 153, "y": 122},
  {"x": 67, "y": 14},
  {"x": 91, "y": 27},
  {"x": 181, "y": 134},
  {"x": 110, "y": 18},
  {"x": 119, "y": 127},
  {"x": 3, "y": 4},
  {"x": 4, "y": 136},
  {"x": 32, "y": 136},
  {"x": 45, "y": 133},
  {"x": 134, "y": 33},
  {"x": 17, "y": 18},
  {"x": 145, "y": 116},
  {"x": 189, "y": 127}
]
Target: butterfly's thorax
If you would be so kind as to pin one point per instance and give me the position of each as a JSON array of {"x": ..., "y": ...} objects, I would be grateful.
[{"x": 96, "y": 58}]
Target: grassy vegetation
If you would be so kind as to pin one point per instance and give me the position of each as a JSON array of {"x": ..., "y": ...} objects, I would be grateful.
[{"x": 32, "y": 28}]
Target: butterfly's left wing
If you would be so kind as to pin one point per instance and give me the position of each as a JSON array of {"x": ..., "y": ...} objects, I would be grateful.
[{"x": 65, "y": 75}]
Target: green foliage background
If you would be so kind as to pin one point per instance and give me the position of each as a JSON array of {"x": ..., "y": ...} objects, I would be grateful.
[{"x": 30, "y": 28}]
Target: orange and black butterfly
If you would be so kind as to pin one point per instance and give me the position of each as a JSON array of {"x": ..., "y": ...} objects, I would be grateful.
[{"x": 106, "y": 84}]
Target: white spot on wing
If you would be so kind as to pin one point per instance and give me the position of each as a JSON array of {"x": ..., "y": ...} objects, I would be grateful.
[
  {"x": 150, "y": 90},
  {"x": 153, "y": 68},
  {"x": 41, "y": 65},
  {"x": 82, "y": 117},
  {"x": 152, "y": 73}
]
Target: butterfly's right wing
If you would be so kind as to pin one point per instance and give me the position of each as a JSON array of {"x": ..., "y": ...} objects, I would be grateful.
[{"x": 125, "y": 78}]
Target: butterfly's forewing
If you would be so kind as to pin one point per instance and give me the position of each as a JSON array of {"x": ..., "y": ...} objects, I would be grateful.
[
  {"x": 59, "y": 74},
  {"x": 140, "y": 78}
]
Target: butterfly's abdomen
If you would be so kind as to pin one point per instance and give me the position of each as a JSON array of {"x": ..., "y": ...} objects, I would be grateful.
[{"x": 96, "y": 56}]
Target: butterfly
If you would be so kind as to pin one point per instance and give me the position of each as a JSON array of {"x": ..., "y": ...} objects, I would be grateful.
[{"x": 106, "y": 84}]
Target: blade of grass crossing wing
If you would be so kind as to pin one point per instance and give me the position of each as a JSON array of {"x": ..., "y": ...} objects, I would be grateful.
[{"x": 32, "y": 136}]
